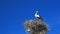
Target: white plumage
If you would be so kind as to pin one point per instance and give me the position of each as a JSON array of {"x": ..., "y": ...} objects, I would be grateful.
[{"x": 36, "y": 15}]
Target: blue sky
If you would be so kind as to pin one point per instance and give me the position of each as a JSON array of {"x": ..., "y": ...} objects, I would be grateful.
[{"x": 14, "y": 12}]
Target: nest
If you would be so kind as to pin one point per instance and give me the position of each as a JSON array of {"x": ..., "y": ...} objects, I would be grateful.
[{"x": 36, "y": 27}]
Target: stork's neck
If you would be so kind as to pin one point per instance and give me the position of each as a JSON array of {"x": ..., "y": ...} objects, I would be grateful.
[{"x": 36, "y": 12}]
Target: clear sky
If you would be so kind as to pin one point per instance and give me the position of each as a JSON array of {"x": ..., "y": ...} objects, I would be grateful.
[{"x": 14, "y": 12}]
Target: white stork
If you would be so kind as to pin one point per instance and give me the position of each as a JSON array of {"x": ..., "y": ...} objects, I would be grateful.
[{"x": 37, "y": 16}]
